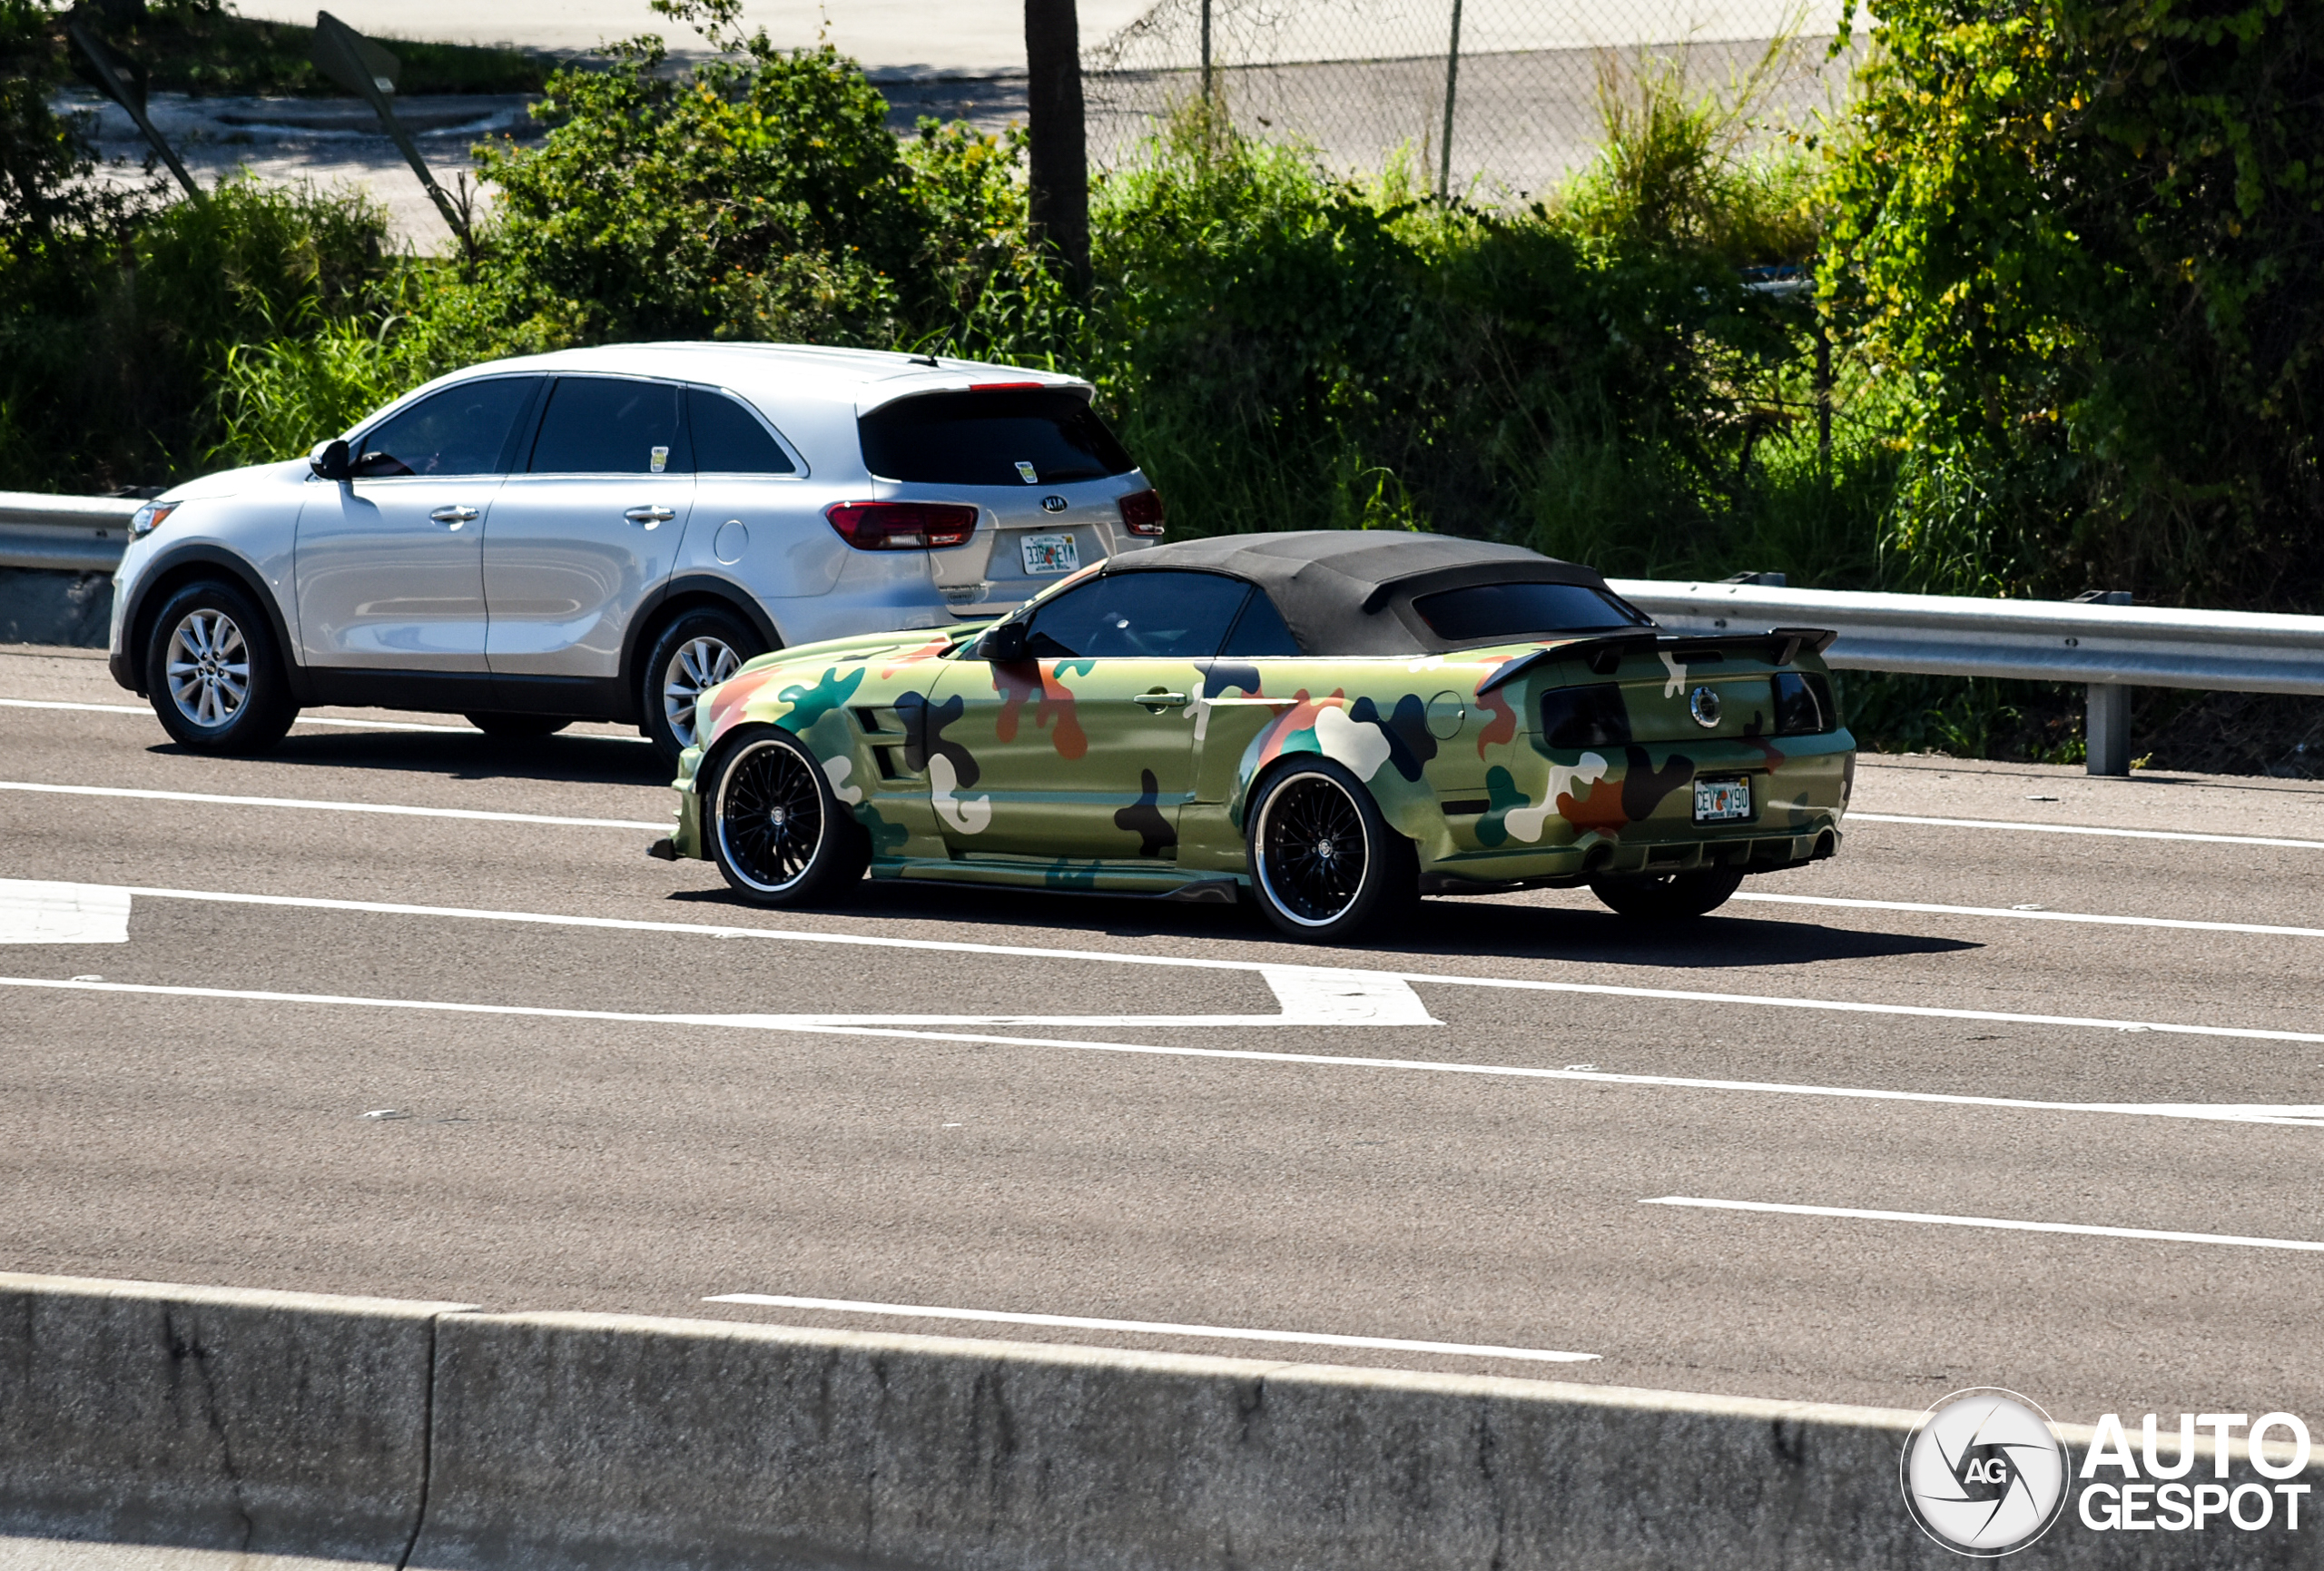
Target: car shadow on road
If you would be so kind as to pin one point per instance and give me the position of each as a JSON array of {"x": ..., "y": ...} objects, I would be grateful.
[
  {"x": 584, "y": 759},
  {"x": 1444, "y": 929}
]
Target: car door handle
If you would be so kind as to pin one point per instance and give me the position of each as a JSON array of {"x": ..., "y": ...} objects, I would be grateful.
[
  {"x": 649, "y": 516},
  {"x": 454, "y": 516},
  {"x": 1157, "y": 701}
]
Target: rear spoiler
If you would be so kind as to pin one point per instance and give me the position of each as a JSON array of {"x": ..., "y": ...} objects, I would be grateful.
[{"x": 1604, "y": 654}]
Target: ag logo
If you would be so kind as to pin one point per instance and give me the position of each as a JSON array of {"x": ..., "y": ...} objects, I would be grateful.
[
  {"x": 1983, "y": 1474},
  {"x": 1704, "y": 706},
  {"x": 1054, "y": 504}
]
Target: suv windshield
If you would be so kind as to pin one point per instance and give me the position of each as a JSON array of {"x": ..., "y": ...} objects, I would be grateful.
[
  {"x": 1007, "y": 436},
  {"x": 1499, "y": 613}
]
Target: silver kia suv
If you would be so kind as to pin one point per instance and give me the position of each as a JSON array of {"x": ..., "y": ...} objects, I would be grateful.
[{"x": 602, "y": 534}]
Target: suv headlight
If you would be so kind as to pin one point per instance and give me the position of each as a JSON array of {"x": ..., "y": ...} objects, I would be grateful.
[{"x": 149, "y": 517}]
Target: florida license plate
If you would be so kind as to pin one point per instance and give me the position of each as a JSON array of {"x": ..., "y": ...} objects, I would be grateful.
[
  {"x": 1047, "y": 554},
  {"x": 1722, "y": 801}
]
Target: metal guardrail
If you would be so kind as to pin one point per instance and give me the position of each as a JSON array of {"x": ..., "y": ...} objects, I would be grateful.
[
  {"x": 63, "y": 534},
  {"x": 2109, "y": 648},
  {"x": 2109, "y": 645},
  {"x": 2028, "y": 640}
]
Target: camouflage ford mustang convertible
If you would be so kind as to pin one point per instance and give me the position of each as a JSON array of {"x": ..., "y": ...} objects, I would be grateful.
[{"x": 1333, "y": 723}]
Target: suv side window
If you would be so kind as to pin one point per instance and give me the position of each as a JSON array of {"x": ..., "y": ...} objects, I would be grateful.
[
  {"x": 607, "y": 426},
  {"x": 729, "y": 439},
  {"x": 461, "y": 430},
  {"x": 1157, "y": 616}
]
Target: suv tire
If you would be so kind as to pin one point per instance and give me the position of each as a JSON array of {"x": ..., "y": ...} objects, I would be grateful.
[
  {"x": 774, "y": 827},
  {"x": 214, "y": 674},
  {"x": 698, "y": 650}
]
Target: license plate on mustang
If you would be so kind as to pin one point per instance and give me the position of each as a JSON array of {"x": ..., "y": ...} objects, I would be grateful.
[
  {"x": 1722, "y": 801},
  {"x": 1049, "y": 554}
]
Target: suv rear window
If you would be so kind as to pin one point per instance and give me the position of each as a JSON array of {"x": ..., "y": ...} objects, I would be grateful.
[
  {"x": 1500, "y": 613},
  {"x": 1016, "y": 437}
]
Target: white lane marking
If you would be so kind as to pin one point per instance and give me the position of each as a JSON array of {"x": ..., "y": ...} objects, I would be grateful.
[
  {"x": 1149, "y": 1327},
  {"x": 401, "y": 812},
  {"x": 1309, "y": 995},
  {"x": 2084, "y": 829},
  {"x": 2032, "y": 914},
  {"x": 301, "y": 720},
  {"x": 2306, "y": 1117},
  {"x": 37, "y": 912},
  {"x": 2003, "y": 1223},
  {"x": 1435, "y": 978}
]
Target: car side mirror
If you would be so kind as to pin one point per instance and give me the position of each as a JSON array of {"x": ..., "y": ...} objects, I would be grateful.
[
  {"x": 330, "y": 460},
  {"x": 1003, "y": 644}
]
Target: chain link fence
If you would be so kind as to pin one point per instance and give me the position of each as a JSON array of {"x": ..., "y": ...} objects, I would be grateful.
[{"x": 1496, "y": 99}]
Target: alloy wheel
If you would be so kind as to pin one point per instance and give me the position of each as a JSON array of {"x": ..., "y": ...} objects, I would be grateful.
[
  {"x": 1312, "y": 851},
  {"x": 209, "y": 669},
  {"x": 695, "y": 666},
  {"x": 770, "y": 815}
]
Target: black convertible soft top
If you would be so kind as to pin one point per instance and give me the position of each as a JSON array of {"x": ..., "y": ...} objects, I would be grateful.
[{"x": 1350, "y": 591}]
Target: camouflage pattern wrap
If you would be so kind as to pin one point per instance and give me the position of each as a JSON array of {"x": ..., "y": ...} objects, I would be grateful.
[{"x": 1132, "y": 775}]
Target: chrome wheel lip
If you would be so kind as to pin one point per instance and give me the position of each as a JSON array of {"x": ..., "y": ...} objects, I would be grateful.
[
  {"x": 693, "y": 668},
  {"x": 207, "y": 667},
  {"x": 1260, "y": 871},
  {"x": 721, "y": 817}
]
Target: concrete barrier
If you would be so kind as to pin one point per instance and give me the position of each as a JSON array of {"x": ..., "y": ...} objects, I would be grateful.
[
  {"x": 151, "y": 1428},
  {"x": 235, "y": 1425}
]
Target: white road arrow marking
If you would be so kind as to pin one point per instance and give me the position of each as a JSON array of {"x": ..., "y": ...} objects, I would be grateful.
[
  {"x": 1310, "y": 995},
  {"x": 36, "y": 913}
]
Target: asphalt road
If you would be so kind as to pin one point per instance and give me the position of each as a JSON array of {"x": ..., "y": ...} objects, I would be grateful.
[{"x": 627, "y": 1111}]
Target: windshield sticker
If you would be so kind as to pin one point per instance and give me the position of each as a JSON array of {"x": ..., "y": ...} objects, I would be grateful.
[
  {"x": 1025, "y": 472},
  {"x": 661, "y": 458}
]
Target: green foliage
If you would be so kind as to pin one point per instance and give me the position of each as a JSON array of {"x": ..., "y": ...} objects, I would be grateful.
[
  {"x": 108, "y": 352},
  {"x": 2087, "y": 236},
  {"x": 758, "y": 195}
]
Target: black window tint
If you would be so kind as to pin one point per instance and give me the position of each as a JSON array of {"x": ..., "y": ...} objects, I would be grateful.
[
  {"x": 1137, "y": 616},
  {"x": 728, "y": 439},
  {"x": 599, "y": 426},
  {"x": 1260, "y": 632},
  {"x": 462, "y": 431},
  {"x": 1496, "y": 613},
  {"x": 980, "y": 439}
]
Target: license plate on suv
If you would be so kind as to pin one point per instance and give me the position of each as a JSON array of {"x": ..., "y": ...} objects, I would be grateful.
[
  {"x": 1722, "y": 801},
  {"x": 1046, "y": 554}
]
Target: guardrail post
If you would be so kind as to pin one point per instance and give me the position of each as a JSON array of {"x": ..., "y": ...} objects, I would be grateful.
[{"x": 2106, "y": 720}]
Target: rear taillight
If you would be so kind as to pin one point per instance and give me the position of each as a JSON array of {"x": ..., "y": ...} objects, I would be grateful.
[
  {"x": 1142, "y": 512},
  {"x": 1803, "y": 704},
  {"x": 1575, "y": 718},
  {"x": 901, "y": 526}
]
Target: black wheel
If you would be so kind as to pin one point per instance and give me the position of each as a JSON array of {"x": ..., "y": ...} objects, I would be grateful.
[
  {"x": 213, "y": 673},
  {"x": 1669, "y": 895},
  {"x": 774, "y": 828},
  {"x": 1324, "y": 863},
  {"x": 517, "y": 727},
  {"x": 691, "y": 656}
]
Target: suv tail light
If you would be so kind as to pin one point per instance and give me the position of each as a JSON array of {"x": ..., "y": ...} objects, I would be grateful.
[
  {"x": 1142, "y": 511},
  {"x": 901, "y": 526}
]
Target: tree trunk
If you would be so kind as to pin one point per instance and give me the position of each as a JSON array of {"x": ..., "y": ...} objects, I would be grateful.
[{"x": 1061, "y": 172}]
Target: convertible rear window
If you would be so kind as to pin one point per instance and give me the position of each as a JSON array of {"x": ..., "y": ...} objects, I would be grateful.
[
  {"x": 1499, "y": 613},
  {"x": 1014, "y": 437}
]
